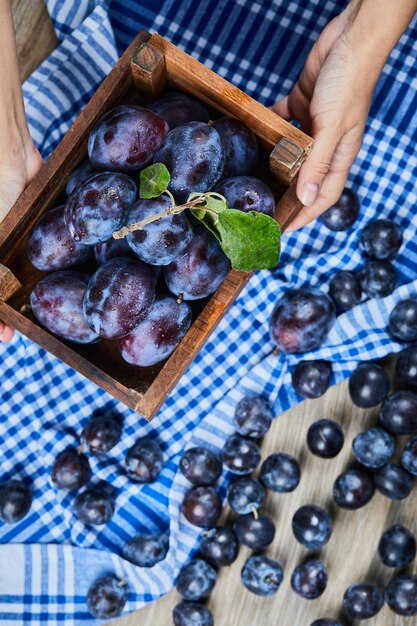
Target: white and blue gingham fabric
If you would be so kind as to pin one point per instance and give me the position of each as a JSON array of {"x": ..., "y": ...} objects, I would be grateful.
[{"x": 49, "y": 559}]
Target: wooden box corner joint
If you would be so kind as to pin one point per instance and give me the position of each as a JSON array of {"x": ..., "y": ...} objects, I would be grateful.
[
  {"x": 286, "y": 159},
  {"x": 9, "y": 285},
  {"x": 149, "y": 69}
]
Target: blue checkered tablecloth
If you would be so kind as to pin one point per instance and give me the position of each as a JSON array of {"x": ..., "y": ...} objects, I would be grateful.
[{"x": 261, "y": 47}]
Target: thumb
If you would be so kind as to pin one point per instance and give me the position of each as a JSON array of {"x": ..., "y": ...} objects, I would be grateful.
[
  {"x": 282, "y": 108},
  {"x": 316, "y": 166}
]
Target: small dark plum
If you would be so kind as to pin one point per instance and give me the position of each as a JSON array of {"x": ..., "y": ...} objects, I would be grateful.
[
  {"x": 80, "y": 173},
  {"x": 393, "y": 481},
  {"x": 312, "y": 526},
  {"x": 363, "y": 600},
  {"x": 202, "y": 506},
  {"x": 71, "y": 470},
  {"x": 107, "y": 597},
  {"x": 381, "y": 239},
  {"x": 253, "y": 416},
  {"x": 378, "y": 279},
  {"x": 101, "y": 433},
  {"x": 280, "y": 472},
  {"x": 311, "y": 379},
  {"x": 219, "y": 546},
  {"x": 343, "y": 213},
  {"x": 144, "y": 461},
  {"x": 309, "y": 580},
  {"x": 325, "y": 438},
  {"x": 401, "y": 595},
  {"x": 326, "y": 621},
  {"x": 192, "y": 614},
  {"x": 176, "y": 108},
  {"x": 201, "y": 466},
  {"x": 301, "y": 320},
  {"x": 239, "y": 144},
  {"x": 353, "y": 489},
  {"x": 397, "y": 546},
  {"x": 196, "y": 580},
  {"x": 399, "y": 413},
  {"x": 111, "y": 249},
  {"x": 255, "y": 531},
  {"x": 345, "y": 290},
  {"x": 146, "y": 550},
  {"x": 374, "y": 447},
  {"x": 15, "y": 501},
  {"x": 402, "y": 322},
  {"x": 240, "y": 455},
  {"x": 406, "y": 366},
  {"x": 409, "y": 456},
  {"x": 262, "y": 575},
  {"x": 247, "y": 193},
  {"x": 94, "y": 506},
  {"x": 245, "y": 495},
  {"x": 368, "y": 385}
]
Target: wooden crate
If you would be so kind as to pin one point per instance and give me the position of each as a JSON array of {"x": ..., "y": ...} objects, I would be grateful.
[{"x": 149, "y": 65}]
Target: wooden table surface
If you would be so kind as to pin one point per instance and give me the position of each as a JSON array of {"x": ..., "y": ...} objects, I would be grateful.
[{"x": 350, "y": 555}]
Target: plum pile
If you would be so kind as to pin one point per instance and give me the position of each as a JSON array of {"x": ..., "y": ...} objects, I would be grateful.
[{"x": 135, "y": 289}]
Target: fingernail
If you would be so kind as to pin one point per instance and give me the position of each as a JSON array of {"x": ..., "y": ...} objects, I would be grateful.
[{"x": 309, "y": 193}]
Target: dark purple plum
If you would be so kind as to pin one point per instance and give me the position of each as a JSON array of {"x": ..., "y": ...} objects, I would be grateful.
[
  {"x": 219, "y": 546},
  {"x": 202, "y": 506},
  {"x": 255, "y": 531},
  {"x": 325, "y": 621},
  {"x": 126, "y": 138},
  {"x": 71, "y": 470},
  {"x": 50, "y": 245},
  {"x": 309, "y": 580},
  {"x": 201, "y": 466},
  {"x": 378, "y": 279},
  {"x": 325, "y": 438},
  {"x": 397, "y": 546},
  {"x": 368, "y": 385},
  {"x": 111, "y": 249},
  {"x": 94, "y": 506},
  {"x": 240, "y": 455},
  {"x": 353, "y": 489},
  {"x": 107, "y": 597},
  {"x": 253, "y": 416},
  {"x": 144, "y": 461},
  {"x": 345, "y": 290},
  {"x": 406, "y": 366},
  {"x": 200, "y": 270},
  {"x": 409, "y": 456},
  {"x": 245, "y": 495},
  {"x": 393, "y": 481},
  {"x": 401, "y": 595},
  {"x": 403, "y": 320},
  {"x": 399, "y": 413},
  {"x": 146, "y": 550},
  {"x": 177, "y": 108},
  {"x": 101, "y": 434},
  {"x": 240, "y": 146},
  {"x": 301, "y": 320},
  {"x": 247, "y": 193},
  {"x": 194, "y": 157},
  {"x": 312, "y": 526},
  {"x": 262, "y": 575},
  {"x": 80, "y": 173},
  {"x": 363, "y": 600},
  {"x": 196, "y": 580},
  {"x": 98, "y": 206},
  {"x": 57, "y": 303},
  {"x": 280, "y": 472},
  {"x": 119, "y": 296},
  {"x": 162, "y": 241},
  {"x": 343, "y": 213},
  {"x": 157, "y": 336},
  {"x": 311, "y": 379},
  {"x": 374, "y": 447},
  {"x": 381, "y": 239},
  {"x": 192, "y": 614},
  {"x": 15, "y": 501}
]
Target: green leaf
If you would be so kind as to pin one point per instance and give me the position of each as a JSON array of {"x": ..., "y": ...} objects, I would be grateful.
[
  {"x": 209, "y": 219},
  {"x": 154, "y": 180},
  {"x": 250, "y": 240}
]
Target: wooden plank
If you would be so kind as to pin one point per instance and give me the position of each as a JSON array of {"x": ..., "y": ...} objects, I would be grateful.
[
  {"x": 149, "y": 71},
  {"x": 9, "y": 284}
]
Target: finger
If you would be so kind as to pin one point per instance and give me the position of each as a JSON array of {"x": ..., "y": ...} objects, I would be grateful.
[
  {"x": 281, "y": 108},
  {"x": 6, "y": 333},
  {"x": 316, "y": 166}
]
